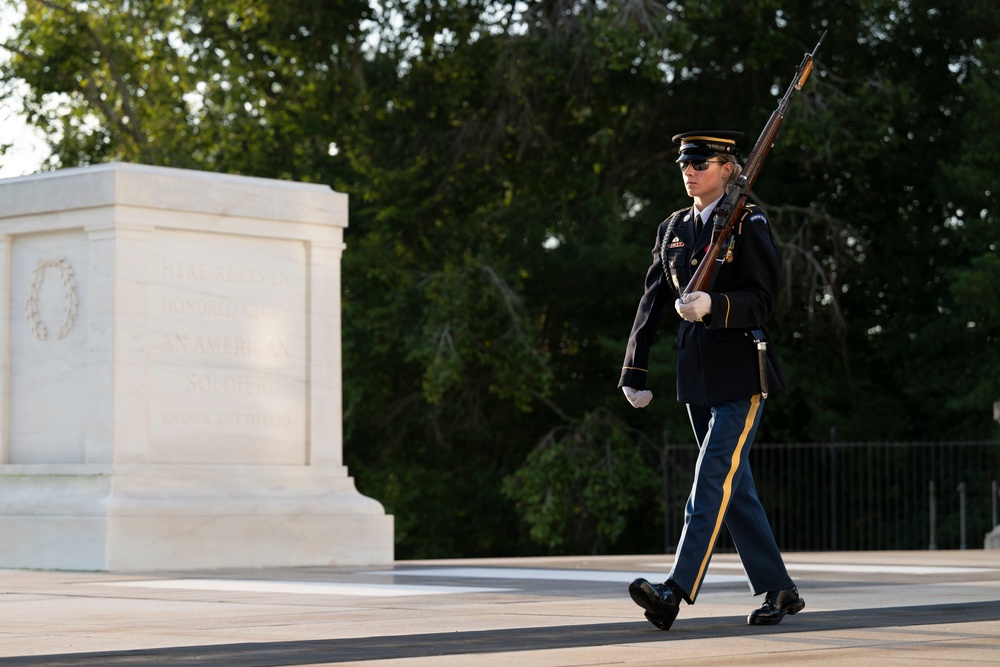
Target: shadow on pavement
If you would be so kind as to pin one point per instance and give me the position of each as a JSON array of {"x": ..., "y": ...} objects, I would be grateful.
[{"x": 276, "y": 654}]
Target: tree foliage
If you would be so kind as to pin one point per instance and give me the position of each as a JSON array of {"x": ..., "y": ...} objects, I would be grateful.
[
  {"x": 507, "y": 164},
  {"x": 579, "y": 484}
]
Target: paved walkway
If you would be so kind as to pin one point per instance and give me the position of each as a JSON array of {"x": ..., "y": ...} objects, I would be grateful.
[{"x": 862, "y": 608}]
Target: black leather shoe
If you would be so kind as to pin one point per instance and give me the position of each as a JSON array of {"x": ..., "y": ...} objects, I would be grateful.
[
  {"x": 776, "y": 605},
  {"x": 659, "y": 601},
  {"x": 659, "y": 621}
]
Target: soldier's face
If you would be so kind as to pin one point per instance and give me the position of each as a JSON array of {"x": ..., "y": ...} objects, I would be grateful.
[{"x": 707, "y": 184}]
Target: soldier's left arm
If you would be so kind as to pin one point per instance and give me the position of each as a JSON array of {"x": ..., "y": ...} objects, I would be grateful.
[{"x": 746, "y": 288}]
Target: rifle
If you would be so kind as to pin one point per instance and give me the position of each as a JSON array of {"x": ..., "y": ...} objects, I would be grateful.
[{"x": 729, "y": 209}]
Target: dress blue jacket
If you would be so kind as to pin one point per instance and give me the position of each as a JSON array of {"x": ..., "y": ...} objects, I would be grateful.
[{"x": 717, "y": 359}]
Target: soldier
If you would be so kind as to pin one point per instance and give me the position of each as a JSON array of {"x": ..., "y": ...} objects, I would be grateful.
[{"x": 723, "y": 376}]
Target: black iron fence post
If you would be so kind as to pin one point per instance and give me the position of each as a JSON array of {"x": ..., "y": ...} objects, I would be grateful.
[
  {"x": 961, "y": 515},
  {"x": 995, "y": 502},
  {"x": 933, "y": 516},
  {"x": 833, "y": 489}
]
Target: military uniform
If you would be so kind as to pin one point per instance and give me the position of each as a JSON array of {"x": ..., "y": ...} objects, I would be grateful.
[
  {"x": 717, "y": 358},
  {"x": 719, "y": 377}
]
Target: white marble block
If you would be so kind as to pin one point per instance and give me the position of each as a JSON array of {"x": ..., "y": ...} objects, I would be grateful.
[{"x": 172, "y": 374}]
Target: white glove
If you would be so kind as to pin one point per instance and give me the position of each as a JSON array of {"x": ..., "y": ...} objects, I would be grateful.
[
  {"x": 695, "y": 307},
  {"x": 639, "y": 398}
]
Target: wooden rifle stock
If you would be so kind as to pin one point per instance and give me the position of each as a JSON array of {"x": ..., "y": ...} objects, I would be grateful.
[{"x": 729, "y": 209}]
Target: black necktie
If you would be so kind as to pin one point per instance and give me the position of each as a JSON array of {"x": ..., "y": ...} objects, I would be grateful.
[{"x": 697, "y": 225}]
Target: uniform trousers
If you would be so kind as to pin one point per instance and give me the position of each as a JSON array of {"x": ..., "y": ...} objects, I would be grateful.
[{"x": 723, "y": 492}]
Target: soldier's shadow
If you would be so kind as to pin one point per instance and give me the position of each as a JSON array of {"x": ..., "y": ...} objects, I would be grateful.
[{"x": 396, "y": 647}]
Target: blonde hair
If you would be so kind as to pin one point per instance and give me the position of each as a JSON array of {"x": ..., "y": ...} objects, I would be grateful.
[{"x": 735, "y": 173}]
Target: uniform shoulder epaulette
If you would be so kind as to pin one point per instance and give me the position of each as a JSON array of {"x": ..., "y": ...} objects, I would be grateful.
[
  {"x": 680, "y": 211},
  {"x": 672, "y": 219}
]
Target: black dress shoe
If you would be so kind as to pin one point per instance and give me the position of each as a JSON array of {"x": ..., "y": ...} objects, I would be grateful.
[
  {"x": 659, "y": 600},
  {"x": 776, "y": 605},
  {"x": 659, "y": 621}
]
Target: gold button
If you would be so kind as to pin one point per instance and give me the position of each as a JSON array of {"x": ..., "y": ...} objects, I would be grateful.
[{"x": 694, "y": 262}]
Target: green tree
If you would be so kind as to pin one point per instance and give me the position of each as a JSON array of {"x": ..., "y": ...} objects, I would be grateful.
[{"x": 579, "y": 485}]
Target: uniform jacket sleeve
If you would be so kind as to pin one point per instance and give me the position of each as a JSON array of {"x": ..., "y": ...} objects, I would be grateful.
[{"x": 656, "y": 299}]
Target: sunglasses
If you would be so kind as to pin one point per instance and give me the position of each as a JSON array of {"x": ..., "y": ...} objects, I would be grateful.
[{"x": 699, "y": 165}]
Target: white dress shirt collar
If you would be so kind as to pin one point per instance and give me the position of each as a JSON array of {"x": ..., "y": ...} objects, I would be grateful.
[{"x": 706, "y": 215}]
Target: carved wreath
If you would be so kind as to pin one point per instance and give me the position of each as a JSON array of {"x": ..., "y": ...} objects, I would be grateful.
[{"x": 70, "y": 301}]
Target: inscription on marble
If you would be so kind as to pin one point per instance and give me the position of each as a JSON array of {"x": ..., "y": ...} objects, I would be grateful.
[{"x": 228, "y": 349}]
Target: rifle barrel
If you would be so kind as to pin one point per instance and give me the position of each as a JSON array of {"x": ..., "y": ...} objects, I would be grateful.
[{"x": 733, "y": 203}]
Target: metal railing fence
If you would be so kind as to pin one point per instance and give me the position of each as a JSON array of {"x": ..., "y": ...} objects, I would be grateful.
[{"x": 860, "y": 495}]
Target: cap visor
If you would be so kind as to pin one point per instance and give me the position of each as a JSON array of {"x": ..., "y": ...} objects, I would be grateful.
[{"x": 695, "y": 155}]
